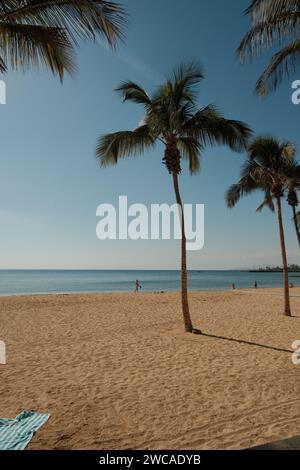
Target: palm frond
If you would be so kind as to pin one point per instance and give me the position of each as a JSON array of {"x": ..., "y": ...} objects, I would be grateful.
[
  {"x": 273, "y": 21},
  {"x": 81, "y": 18},
  {"x": 267, "y": 202},
  {"x": 264, "y": 34},
  {"x": 270, "y": 8},
  {"x": 272, "y": 153},
  {"x": 3, "y": 66},
  {"x": 291, "y": 177},
  {"x": 185, "y": 82},
  {"x": 246, "y": 185},
  {"x": 233, "y": 195},
  {"x": 210, "y": 127},
  {"x": 181, "y": 87},
  {"x": 288, "y": 151},
  {"x": 190, "y": 149},
  {"x": 273, "y": 163},
  {"x": 44, "y": 32},
  {"x": 265, "y": 150},
  {"x": 282, "y": 65},
  {"x": 133, "y": 92},
  {"x": 255, "y": 176},
  {"x": 113, "y": 146},
  {"x": 23, "y": 46}
]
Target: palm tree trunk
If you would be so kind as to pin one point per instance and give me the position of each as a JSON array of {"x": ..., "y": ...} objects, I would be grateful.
[
  {"x": 287, "y": 307},
  {"x": 184, "y": 294},
  {"x": 296, "y": 224}
]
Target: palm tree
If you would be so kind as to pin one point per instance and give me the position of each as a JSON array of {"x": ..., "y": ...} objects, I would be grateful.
[
  {"x": 172, "y": 118},
  {"x": 292, "y": 183},
  {"x": 44, "y": 32},
  {"x": 268, "y": 168},
  {"x": 298, "y": 220},
  {"x": 293, "y": 201},
  {"x": 273, "y": 22}
]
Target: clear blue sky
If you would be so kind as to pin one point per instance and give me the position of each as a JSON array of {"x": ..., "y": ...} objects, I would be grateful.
[{"x": 50, "y": 184}]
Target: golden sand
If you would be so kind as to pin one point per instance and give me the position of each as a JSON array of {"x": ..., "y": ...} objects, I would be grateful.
[{"x": 116, "y": 371}]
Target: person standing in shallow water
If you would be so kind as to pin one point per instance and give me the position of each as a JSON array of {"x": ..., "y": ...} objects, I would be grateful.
[
  {"x": 137, "y": 285},
  {"x": 255, "y": 285}
]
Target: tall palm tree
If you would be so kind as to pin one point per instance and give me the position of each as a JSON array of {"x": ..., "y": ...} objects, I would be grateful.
[
  {"x": 172, "y": 118},
  {"x": 273, "y": 22},
  {"x": 45, "y": 32},
  {"x": 268, "y": 168}
]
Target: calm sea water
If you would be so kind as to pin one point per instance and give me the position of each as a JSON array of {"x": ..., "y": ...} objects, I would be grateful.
[{"x": 35, "y": 281}]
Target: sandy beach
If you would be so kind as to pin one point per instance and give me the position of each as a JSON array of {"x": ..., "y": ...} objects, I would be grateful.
[{"x": 116, "y": 371}]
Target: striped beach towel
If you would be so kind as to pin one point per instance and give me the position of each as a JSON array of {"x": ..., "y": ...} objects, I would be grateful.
[{"x": 15, "y": 434}]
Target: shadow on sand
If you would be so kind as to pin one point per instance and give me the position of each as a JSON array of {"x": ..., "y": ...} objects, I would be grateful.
[{"x": 249, "y": 343}]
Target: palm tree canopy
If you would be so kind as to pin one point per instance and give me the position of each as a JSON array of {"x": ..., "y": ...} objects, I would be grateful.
[
  {"x": 171, "y": 116},
  {"x": 44, "y": 32},
  {"x": 273, "y": 22},
  {"x": 270, "y": 167}
]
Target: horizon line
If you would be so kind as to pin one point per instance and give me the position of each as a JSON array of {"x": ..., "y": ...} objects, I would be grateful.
[{"x": 124, "y": 269}]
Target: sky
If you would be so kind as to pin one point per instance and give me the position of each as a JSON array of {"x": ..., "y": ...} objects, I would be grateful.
[{"x": 51, "y": 183}]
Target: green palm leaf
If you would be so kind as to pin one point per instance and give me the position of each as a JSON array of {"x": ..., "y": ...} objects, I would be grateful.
[
  {"x": 44, "y": 32},
  {"x": 190, "y": 150},
  {"x": 267, "y": 202},
  {"x": 281, "y": 66},
  {"x": 185, "y": 82},
  {"x": 211, "y": 128},
  {"x": 270, "y": 8},
  {"x": 24, "y": 46},
  {"x": 273, "y": 22},
  {"x": 130, "y": 91},
  {"x": 113, "y": 146},
  {"x": 84, "y": 18}
]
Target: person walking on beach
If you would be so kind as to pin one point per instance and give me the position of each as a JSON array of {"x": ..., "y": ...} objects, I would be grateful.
[
  {"x": 233, "y": 286},
  {"x": 255, "y": 285},
  {"x": 137, "y": 285}
]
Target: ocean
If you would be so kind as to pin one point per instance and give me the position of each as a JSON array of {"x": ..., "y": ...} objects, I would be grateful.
[{"x": 18, "y": 282}]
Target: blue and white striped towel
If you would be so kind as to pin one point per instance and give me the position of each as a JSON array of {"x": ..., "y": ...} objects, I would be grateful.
[{"x": 15, "y": 434}]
